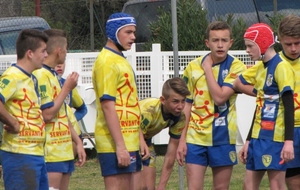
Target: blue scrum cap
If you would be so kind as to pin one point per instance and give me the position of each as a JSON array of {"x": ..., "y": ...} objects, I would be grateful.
[{"x": 117, "y": 21}]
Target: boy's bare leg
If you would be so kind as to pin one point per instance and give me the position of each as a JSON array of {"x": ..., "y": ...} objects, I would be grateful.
[
  {"x": 221, "y": 177},
  {"x": 253, "y": 179},
  {"x": 195, "y": 176}
]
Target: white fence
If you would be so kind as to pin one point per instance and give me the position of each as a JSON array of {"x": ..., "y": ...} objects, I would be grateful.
[{"x": 151, "y": 69}]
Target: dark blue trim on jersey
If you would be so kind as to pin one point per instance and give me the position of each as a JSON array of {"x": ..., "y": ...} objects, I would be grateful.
[
  {"x": 174, "y": 136},
  {"x": 49, "y": 69},
  {"x": 36, "y": 86},
  {"x": 291, "y": 59},
  {"x": 170, "y": 116},
  {"x": 220, "y": 133},
  {"x": 34, "y": 79},
  {"x": 2, "y": 99},
  {"x": 228, "y": 85},
  {"x": 80, "y": 112},
  {"x": 243, "y": 81},
  {"x": 21, "y": 69},
  {"x": 285, "y": 89},
  {"x": 116, "y": 52},
  {"x": 62, "y": 80},
  {"x": 107, "y": 97},
  {"x": 189, "y": 100},
  {"x": 48, "y": 105},
  {"x": 254, "y": 91}
]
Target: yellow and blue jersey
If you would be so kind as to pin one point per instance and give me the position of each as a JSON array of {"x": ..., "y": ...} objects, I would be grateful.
[
  {"x": 272, "y": 79},
  {"x": 296, "y": 68},
  {"x": 249, "y": 75},
  {"x": 75, "y": 101},
  {"x": 210, "y": 124},
  {"x": 58, "y": 146},
  {"x": 114, "y": 79},
  {"x": 19, "y": 94},
  {"x": 154, "y": 119}
]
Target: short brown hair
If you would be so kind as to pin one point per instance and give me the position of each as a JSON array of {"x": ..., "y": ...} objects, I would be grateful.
[
  {"x": 218, "y": 25},
  {"x": 57, "y": 38},
  {"x": 29, "y": 39},
  {"x": 289, "y": 26},
  {"x": 176, "y": 84}
]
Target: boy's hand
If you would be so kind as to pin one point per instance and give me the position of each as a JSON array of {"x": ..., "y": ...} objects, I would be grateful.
[
  {"x": 181, "y": 152},
  {"x": 71, "y": 81},
  {"x": 14, "y": 129},
  {"x": 81, "y": 155},
  {"x": 243, "y": 153}
]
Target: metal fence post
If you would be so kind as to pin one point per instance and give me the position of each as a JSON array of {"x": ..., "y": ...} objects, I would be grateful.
[{"x": 176, "y": 68}]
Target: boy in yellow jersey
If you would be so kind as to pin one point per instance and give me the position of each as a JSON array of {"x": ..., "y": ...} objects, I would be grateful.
[
  {"x": 209, "y": 136},
  {"x": 289, "y": 37},
  {"x": 22, "y": 149},
  {"x": 117, "y": 128},
  {"x": 75, "y": 101},
  {"x": 269, "y": 145},
  {"x": 59, "y": 131},
  {"x": 158, "y": 114}
]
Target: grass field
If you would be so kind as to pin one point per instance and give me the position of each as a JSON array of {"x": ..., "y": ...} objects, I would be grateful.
[{"x": 88, "y": 177}]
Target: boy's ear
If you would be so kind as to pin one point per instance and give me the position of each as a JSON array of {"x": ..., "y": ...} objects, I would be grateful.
[
  {"x": 58, "y": 50},
  {"x": 162, "y": 100},
  {"x": 206, "y": 43},
  {"x": 29, "y": 53}
]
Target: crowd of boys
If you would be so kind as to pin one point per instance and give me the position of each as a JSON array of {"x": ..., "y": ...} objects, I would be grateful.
[{"x": 40, "y": 139}]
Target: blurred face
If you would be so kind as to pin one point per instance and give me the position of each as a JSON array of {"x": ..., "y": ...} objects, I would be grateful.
[
  {"x": 252, "y": 49},
  {"x": 174, "y": 104},
  {"x": 219, "y": 43},
  {"x": 126, "y": 36},
  {"x": 62, "y": 54},
  {"x": 291, "y": 46},
  {"x": 60, "y": 69},
  {"x": 38, "y": 56}
]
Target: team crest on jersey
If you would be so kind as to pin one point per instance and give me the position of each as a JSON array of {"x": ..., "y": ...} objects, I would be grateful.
[
  {"x": 224, "y": 73},
  {"x": 232, "y": 156},
  {"x": 220, "y": 121},
  {"x": 269, "y": 80},
  {"x": 266, "y": 160},
  {"x": 4, "y": 83}
]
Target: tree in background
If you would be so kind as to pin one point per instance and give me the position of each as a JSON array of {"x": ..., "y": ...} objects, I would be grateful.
[
  {"x": 10, "y": 8},
  {"x": 74, "y": 17},
  {"x": 192, "y": 22},
  {"x": 274, "y": 23},
  {"x": 238, "y": 28}
]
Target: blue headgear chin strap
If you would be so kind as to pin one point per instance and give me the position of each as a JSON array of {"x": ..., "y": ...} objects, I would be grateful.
[{"x": 115, "y": 22}]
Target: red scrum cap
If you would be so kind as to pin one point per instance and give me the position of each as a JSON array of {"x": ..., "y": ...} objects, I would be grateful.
[{"x": 261, "y": 34}]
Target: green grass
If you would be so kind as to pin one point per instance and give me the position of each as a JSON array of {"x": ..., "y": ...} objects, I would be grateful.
[{"x": 88, "y": 177}]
